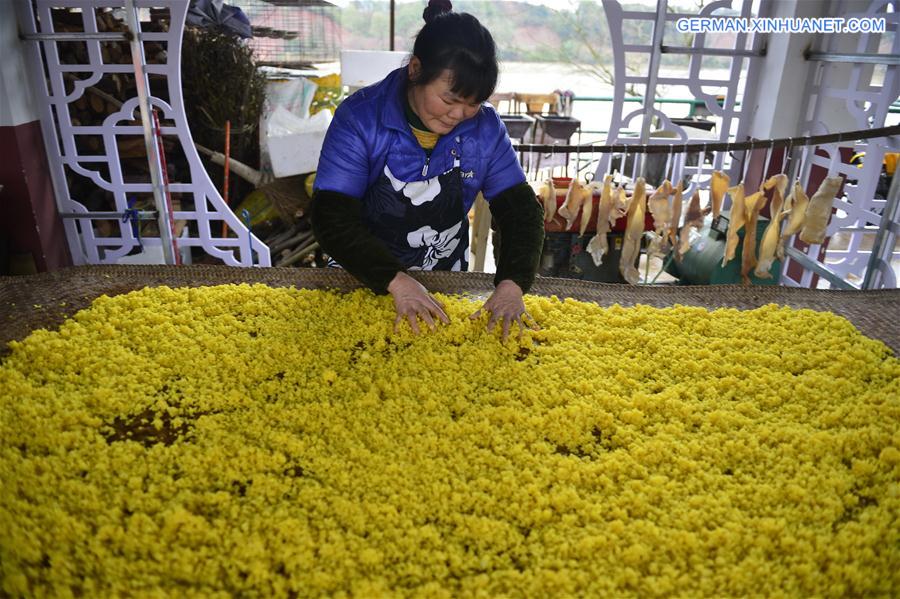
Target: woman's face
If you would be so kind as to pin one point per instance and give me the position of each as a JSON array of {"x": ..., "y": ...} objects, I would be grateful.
[{"x": 439, "y": 108}]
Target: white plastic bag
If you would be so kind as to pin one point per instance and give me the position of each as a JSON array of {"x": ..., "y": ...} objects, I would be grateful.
[
  {"x": 294, "y": 143},
  {"x": 295, "y": 95}
]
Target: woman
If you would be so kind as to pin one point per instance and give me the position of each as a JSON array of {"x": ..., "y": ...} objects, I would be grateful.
[{"x": 402, "y": 163}]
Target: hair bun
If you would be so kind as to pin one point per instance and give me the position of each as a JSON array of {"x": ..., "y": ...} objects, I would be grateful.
[{"x": 436, "y": 8}]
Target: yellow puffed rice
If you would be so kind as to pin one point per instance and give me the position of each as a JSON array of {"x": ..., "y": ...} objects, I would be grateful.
[{"x": 245, "y": 440}]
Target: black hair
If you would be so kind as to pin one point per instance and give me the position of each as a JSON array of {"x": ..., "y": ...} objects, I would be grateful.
[{"x": 459, "y": 43}]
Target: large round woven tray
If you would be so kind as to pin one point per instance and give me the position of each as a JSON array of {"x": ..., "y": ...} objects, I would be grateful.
[{"x": 45, "y": 300}]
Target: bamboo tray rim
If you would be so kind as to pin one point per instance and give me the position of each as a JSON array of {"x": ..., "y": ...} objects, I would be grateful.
[{"x": 44, "y": 300}]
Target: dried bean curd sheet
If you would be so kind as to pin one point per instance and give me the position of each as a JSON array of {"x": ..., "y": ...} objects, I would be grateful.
[{"x": 247, "y": 440}]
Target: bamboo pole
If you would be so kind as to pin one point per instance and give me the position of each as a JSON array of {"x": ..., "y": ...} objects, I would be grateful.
[{"x": 225, "y": 183}]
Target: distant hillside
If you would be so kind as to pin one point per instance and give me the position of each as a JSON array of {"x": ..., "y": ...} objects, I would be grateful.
[{"x": 523, "y": 32}]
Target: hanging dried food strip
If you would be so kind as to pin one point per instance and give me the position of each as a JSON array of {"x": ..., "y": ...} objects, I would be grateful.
[
  {"x": 692, "y": 220},
  {"x": 659, "y": 207},
  {"x": 620, "y": 205},
  {"x": 587, "y": 207},
  {"x": 547, "y": 194},
  {"x": 574, "y": 199},
  {"x": 736, "y": 220},
  {"x": 676, "y": 214},
  {"x": 634, "y": 229},
  {"x": 718, "y": 185},
  {"x": 752, "y": 205},
  {"x": 819, "y": 211},
  {"x": 769, "y": 244},
  {"x": 599, "y": 245},
  {"x": 795, "y": 210}
]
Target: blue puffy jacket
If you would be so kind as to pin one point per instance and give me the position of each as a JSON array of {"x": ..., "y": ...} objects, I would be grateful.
[{"x": 370, "y": 128}]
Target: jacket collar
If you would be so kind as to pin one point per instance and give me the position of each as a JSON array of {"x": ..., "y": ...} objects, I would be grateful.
[{"x": 394, "y": 116}]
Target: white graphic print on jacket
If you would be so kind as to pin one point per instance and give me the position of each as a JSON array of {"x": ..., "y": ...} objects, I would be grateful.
[
  {"x": 439, "y": 245},
  {"x": 418, "y": 192}
]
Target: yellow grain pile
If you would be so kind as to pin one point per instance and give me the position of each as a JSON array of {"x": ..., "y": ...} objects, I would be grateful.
[{"x": 244, "y": 440}]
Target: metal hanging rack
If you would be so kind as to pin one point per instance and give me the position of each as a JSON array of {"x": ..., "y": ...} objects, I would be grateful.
[
  {"x": 741, "y": 146},
  {"x": 892, "y": 208},
  {"x": 712, "y": 51},
  {"x": 885, "y": 59},
  {"x": 111, "y": 215}
]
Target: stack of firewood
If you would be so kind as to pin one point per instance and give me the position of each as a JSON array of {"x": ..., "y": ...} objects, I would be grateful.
[
  {"x": 106, "y": 96},
  {"x": 282, "y": 206}
]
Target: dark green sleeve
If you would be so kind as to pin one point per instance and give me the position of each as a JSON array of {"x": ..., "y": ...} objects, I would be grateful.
[
  {"x": 338, "y": 226},
  {"x": 520, "y": 220}
]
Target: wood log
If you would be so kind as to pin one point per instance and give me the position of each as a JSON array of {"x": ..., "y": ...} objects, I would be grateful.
[
  {"x": 299, "y": 239},
  {"x": 111, "y": 23},
  {"x": 65, "y": 17},
  {"x": 298, "y": 254},
  {"x": 117, "y": 83},
  {"x": 97, "y": 104},
  {"x": 94, "y": 92},
  {"x": 247, "y": 173},
  {"x": 131, "y": 147},
  {"x": 276, "y": 238},
  {"x": 81, "y": 55}
]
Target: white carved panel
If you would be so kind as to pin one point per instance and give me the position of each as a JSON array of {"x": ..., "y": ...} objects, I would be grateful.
[
  {"x": 850, "y": 96},
  {"x": 203, "y": 209},
  {"x": 730, "y": 121}
]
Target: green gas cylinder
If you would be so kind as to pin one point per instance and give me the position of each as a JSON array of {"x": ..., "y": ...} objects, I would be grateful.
[{"x": 702, "y": 264}]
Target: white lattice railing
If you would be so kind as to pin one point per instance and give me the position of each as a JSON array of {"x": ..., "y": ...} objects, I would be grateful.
[
  {"x": 864, "y": 92},
  {"x": 743, "y": 53},
  {"x": 202, "y": 212}
]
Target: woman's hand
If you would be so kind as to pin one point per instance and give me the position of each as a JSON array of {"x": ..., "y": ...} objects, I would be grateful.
[
  {"x": 506, "y": 305},
  {"x": 412, "y": 301}
]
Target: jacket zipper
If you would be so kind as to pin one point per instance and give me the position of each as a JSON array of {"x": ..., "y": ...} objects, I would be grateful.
[{"x": 425, "y": 168}]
